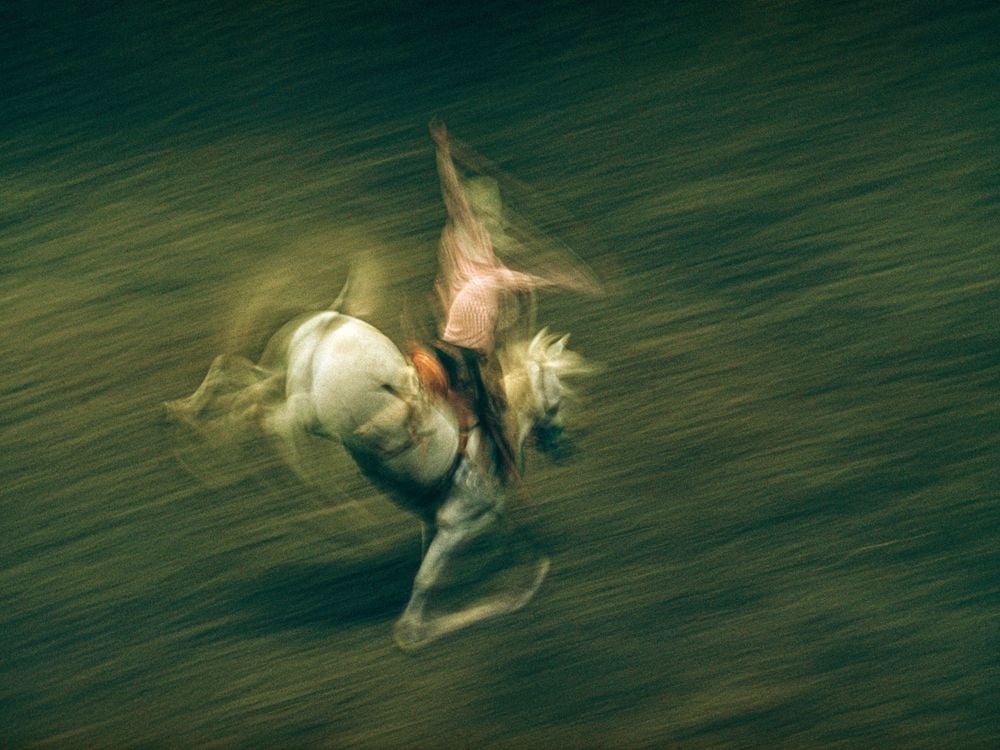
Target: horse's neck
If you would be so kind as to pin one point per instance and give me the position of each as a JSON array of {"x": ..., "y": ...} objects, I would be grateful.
[{"x": 518, "y": 391}]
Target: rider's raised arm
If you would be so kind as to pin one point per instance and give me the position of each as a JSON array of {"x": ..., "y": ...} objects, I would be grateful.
[
  {"x": 473, "y": 239},
  {"x": 451, "y": 187}
]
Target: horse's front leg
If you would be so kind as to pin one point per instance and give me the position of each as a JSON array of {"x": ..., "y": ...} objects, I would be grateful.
[{"x": 470, "y": 510}]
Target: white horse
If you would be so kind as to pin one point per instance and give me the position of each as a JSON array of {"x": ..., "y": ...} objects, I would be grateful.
[{"x": 331, "y": 376}]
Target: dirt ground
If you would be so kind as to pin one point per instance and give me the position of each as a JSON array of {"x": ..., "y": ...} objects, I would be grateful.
[{"x": 781, "y": 526}]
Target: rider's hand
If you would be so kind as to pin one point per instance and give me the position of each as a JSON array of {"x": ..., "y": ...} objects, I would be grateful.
[{"x": 439, "y": 132}]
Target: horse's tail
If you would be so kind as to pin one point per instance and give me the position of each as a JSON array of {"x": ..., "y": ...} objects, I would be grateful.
[
  {"x": 363, "y": 289},
  {"x": 338, "y": 303}
]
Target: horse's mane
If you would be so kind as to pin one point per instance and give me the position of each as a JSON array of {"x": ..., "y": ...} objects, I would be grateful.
[{"x": 545, "y": 348}]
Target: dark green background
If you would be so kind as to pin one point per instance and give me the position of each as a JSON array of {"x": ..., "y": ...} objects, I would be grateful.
[{"x": 782, "y": 526}]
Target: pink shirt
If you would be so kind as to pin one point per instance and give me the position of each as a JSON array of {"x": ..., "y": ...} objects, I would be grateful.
[
  {"x": 472, "y": 280},
  {"x": 472, "y": 289}
]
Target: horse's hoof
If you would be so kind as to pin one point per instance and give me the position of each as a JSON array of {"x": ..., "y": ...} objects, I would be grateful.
[
  {"x": 541, "y": 570},
  {"x": 411, "y": 635}
]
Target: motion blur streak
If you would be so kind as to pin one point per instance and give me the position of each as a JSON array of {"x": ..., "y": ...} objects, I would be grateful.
[{"x": 780, "y": 527}]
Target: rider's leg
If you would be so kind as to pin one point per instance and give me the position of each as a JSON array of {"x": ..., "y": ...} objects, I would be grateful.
[{"x": 491, "y": 405}]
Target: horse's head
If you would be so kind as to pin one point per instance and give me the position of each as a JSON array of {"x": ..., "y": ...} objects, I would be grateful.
[{"x": 536, "y": 388}]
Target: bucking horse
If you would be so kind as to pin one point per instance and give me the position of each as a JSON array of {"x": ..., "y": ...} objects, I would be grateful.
[{"x": 328, "y": 376}]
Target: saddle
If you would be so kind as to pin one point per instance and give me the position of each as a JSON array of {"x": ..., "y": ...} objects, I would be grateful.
[
  {"x": 430, "y": 371},
  {"x": 453, "y": 374}
]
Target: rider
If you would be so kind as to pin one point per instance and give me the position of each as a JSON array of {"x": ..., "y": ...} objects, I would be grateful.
[{"x": 471, "y": 285}]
